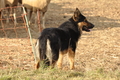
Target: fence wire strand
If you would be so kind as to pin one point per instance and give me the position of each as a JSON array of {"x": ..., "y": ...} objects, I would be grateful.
[{"x": 25, "y": 25}]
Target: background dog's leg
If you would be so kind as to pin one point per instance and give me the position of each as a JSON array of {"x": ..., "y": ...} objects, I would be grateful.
[
  {"x": 43, "y": 20},
  {"x": 71, "y": 56}
]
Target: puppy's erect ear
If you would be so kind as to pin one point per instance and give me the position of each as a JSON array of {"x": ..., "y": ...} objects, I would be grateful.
[
  {"x": 77, "y": 9},
  {"x": 76, "y": 14}
]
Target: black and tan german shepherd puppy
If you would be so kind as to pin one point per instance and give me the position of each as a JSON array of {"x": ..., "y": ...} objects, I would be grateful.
[{"x": 53, "y": 43}]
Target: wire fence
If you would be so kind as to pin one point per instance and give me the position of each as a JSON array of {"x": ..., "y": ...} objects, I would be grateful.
[
  {"x": 14, "y": 24},
  {"x": 8, "y": 24}
]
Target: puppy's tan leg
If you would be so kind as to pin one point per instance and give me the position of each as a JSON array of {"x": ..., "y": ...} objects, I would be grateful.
[
  {"x": 71, "y": 56},
  {"x": 37, "y": 65},
  {"x": 60, "y": 60},
  {"x": 37, "y": 56},
  {"x": 59, "y": 63}
]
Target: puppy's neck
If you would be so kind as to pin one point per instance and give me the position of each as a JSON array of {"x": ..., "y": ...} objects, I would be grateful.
[{"x": 75, "y": 23}]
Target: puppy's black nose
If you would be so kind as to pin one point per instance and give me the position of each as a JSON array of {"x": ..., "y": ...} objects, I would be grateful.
[{"x": 92, "y": 25}]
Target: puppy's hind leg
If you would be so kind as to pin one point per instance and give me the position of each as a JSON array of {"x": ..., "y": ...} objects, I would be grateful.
[
  {"x": 60, "y": 60},
  {"x": 71, "y": 56},
  {"x": 37, "y": 52}
]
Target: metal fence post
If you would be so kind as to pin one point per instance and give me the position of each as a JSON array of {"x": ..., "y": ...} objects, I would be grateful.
[{"x": 33, "y": 47}]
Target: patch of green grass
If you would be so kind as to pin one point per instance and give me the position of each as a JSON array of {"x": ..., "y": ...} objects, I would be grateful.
[{"x": 55, "y": 74}]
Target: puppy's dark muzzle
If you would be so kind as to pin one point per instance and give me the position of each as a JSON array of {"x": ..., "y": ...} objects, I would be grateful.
[
  {"x": 87, "y": 28},
  {"x": 91, "y": 26}
]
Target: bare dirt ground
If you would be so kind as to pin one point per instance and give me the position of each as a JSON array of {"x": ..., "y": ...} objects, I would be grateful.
[{"x": 97, "y": 49}]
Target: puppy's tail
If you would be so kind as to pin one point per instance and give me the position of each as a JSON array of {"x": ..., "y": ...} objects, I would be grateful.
[{"x": 43, "y": 51}]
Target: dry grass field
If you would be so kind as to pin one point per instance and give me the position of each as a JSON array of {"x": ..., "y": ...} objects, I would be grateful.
[{"x": 98, "y": 50}]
